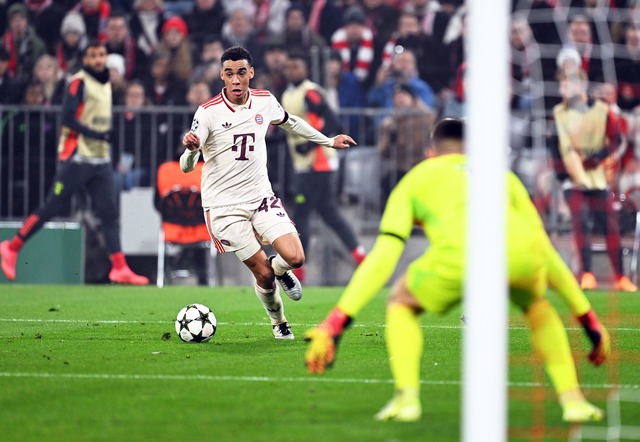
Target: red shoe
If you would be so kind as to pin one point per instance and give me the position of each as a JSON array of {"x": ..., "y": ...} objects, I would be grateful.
[
  {"x": 125, "y": 275},
  {"x": 299, "y": 272},
  {"x": 9, "y": 258},
  {"x": 358, "y": 255}
]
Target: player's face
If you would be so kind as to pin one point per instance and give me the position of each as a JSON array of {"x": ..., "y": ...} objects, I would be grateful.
[
  {"x": 96, "y": 58},
  {"x": 236, "y": 76}
]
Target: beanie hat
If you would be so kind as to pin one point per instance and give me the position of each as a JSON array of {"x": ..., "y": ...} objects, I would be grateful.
[
  {"x": 17, "y": 8},
  {"x": 116, "y": 61},
  {"x": 73, "y": 22},
  {"x": 175, "y": 23}
]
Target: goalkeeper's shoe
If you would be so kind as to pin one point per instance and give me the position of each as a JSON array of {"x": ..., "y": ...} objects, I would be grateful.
[
  {"x": 289, "y": 283},
  {"x": 282, "y": 331},
  {"x": 9, "y": 258},
  {"x": 323, "y": 341},
  {"x": 403, "y": 407},
  {"x": 124, "y": 275},
  {"x": 581, "y": 411},
  {"x": 599, "y": 337}
]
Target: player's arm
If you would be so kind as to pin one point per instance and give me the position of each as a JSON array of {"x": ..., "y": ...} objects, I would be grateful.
[
  {"x": 297, "y": 125},
  {"x": 192, "y": 142},
  {"x": 367, "y": 281},
  {"x": 73, "y": 100}
]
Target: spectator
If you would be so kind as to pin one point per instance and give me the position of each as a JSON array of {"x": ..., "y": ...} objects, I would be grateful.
[
  {"x": 198, "y": 93},
  {"x": 315, "y": 165},
  {"x": 267, "y": 16},
  {"x": 133, "y": 154},
  {"x": 354, "y": 42},
  {"x": 74, "y": 39},
  {"x": 115, "y": 66},
  {"x": 7, "y": 86},
  {"x": 324, "y": 17},
  {"x": 208, "y": 69},
  {"x": 582, "y": 152},
  {"x": 298, "y": 35},
  {"x": 628, "y": 71},
  {"x": 580, "y": 40},
  {"x": 238, "y": 31},
  {"x": 402, "y": 71},
  {"x": 382, "y": 19},
  {"x": 404, "y": 137},
  {"x": 95, "y": 14},
  {"x": 345, "y": 91},
  {"x": 175, "y": 42},
  {"x": 46, "y": 17},
  {"x": 23, "y": 44},
  {"x": 119, "y": 41},
  {"x": 204, "y": 21},
  {"x": 275, "y": 63},
  {"x": 47, "y": 72},
  {"x": 162, "y": 87},
  {"x": 146, "y": 24}
]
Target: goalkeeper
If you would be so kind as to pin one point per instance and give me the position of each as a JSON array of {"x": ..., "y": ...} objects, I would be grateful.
[{"x": 434, "y": 194}]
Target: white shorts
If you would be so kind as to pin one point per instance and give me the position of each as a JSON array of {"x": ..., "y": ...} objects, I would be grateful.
[{"x": 242, "y": 227}]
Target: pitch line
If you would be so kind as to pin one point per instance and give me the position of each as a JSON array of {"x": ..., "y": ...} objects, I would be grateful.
[
  {"x": 171, "y": 377},
  {"x": 247, "y": 324}
]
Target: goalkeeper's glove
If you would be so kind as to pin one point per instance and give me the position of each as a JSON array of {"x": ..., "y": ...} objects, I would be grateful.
[
  {"x": 598, "y": 336},
  {"x": 324, "y": 339}
]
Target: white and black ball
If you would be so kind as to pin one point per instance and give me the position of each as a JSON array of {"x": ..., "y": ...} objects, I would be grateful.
[{"x": 196, "y": 323}]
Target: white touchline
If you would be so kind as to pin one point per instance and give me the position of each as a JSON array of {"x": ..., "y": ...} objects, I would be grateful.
[
  {"x": 172, "y": 377},
  {"x": 248, "y": 324}
]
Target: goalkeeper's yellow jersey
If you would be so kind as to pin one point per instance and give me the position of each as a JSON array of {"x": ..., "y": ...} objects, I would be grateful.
[{"x": 434, "y": 195}]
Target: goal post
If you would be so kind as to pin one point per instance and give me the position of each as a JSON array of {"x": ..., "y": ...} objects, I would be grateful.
[{"x": 484, "y": 411}]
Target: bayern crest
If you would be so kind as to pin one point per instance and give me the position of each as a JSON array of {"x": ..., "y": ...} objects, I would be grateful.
[{"x": 259, "y": 119}]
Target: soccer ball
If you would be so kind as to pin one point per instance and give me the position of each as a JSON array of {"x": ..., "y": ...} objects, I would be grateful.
[{"x": 196, "y": 323}]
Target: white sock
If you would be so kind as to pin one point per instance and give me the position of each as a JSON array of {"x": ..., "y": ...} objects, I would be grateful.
[
  {"x": 272, "y": 302},
  {"x": 279, "y": 265}
]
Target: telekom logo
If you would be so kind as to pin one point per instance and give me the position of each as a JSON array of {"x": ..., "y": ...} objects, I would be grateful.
[{"x": 243, "y": 145}]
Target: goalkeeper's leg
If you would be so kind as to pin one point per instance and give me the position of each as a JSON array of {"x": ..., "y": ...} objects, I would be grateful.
[
  {"x": 550, "y": 340},
  {"x": 404, "y": 344}
]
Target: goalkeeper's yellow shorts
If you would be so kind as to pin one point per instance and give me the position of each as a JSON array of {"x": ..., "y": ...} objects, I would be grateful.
[{"x": 436, "y": 279}]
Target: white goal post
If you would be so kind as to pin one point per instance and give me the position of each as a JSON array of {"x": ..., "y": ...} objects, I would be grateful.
[{"x": 484, "y": 412}]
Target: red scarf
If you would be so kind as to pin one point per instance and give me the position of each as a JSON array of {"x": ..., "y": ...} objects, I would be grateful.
[
  {"x": 104, "y": 10},
  {"x": 10, "y": 46}
]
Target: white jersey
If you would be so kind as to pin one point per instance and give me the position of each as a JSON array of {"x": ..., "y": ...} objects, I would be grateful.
[{"x": 233, "y": 144}]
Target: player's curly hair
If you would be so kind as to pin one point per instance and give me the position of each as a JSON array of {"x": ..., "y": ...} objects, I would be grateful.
[{"x": 236, "y": 53}]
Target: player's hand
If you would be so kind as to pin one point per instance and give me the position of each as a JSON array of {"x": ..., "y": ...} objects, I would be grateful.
[
  {"x": 599, "y": 337},
  {"x": 324, "y": 339},
  {"x": 321, "y": 352},
  {"x": 343, "y": 142},
  {"x": 191, "y": 141}
]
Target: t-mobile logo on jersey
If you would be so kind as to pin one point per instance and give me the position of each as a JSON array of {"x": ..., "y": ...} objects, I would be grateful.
[{"x": 244, "y": 145}]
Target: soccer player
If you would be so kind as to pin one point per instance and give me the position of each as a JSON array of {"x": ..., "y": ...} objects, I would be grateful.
[
  {"x": 84, "y": 163},
  {"x": 434, "y": 281},
  {"x": 240, "y": 207}
]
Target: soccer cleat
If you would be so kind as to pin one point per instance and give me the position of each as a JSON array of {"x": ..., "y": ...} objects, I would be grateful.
[
  {"x": 624, "y": 284},
  {"x": 581, "y": 411},
  {"x": 588, "y": 281},
  {"x": 9, "y": 258},
  {"x": 125, "y": 275},
  {"x": 282, "y": 331},
  {"x": 401, "y": 408}
]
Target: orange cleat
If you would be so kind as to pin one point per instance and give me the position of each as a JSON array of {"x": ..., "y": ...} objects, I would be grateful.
[
  {"x": 624, "y": 284},
  {"x": 588, "y": 281},
  {"x": 9, "y": 258},
  {"x": 125, "y": 275}
]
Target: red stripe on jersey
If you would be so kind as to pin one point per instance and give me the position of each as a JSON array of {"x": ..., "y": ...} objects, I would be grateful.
[
  {"x": 218, "y": 245},
  {"x": 213, "y": 101},
  {"x": 314, "y": 96},
  {"x": 69, "y": 146},
  {"x": 260, "y": 92},
  {"x": 73, "y": 87}
]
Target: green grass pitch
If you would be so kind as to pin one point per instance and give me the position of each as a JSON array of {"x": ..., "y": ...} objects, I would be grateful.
[{"x": 103, "y": 363}]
